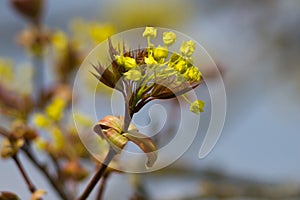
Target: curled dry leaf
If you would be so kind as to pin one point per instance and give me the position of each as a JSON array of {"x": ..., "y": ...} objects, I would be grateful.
[{"x": 145, "y": 143}]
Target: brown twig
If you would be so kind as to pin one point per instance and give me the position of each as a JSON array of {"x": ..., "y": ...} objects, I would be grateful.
[
  {"x": 30, "y": 185},
  {"x": 53, "y": 182},
  {"x": 102, "y": 186},
  {"x": 98, "y": 175}
]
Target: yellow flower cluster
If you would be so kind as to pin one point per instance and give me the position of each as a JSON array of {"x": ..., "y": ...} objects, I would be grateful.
[{"x": 156, "y": 64}]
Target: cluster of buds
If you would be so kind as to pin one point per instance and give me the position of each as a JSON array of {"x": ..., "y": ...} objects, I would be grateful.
[{"x": 144, "y": 75}]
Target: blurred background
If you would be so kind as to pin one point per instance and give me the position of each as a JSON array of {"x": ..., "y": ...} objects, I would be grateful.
[{"x": 257, "y": 46}]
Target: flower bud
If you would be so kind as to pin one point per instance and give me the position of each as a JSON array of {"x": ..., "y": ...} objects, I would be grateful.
[
  {"x": 197, "y": 106},
  {"x": 133, "y": 74},
  {"x": 169, "y": 38},
  {"x": 187, "y": 48},
  {"x": 192, "y": 74},
  {"x": 180, "y": 66},
  {"x": 149, "y": 32},
  {"x": 127, "y": 62},
  {"x": 11, "y": 147},
  {"x": 160, "y": 52}
]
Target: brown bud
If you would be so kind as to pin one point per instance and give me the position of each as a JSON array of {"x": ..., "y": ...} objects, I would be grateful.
[
  {"x": 10, "y": 147},
  {"x": 75, "y": 171},
  {"x": 30, "y": 9},
  {"x": 8, "y": 196}
]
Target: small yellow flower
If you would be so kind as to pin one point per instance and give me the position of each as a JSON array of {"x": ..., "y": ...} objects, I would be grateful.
[
  {"x": 150, "y": 32},
  {"x": 192, "y": 74},
  {"x": 58, "y": 137},
  {"x": 181, "y": 66},
  {"x": 169, "y": 38},
  {"x": 127, "y": 62},
  {"x": 160, "y": 52},
  {"x": 187, "y": 48},
  {"x": 55, "y": 109},
  {"x": 133, "y": 74},
  {"x": 197, "y": 106},
  {"x": 41, "y": 120}
]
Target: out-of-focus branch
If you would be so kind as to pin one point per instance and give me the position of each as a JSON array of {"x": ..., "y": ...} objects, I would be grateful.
[
  {"x": 111, "y": 154},
  {"x": 102, "y": 186},
  {"x": 30, "y": 185},
  {"x": 55, "y": 183}
]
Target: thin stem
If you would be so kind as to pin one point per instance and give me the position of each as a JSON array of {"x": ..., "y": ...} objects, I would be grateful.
[
  {"x": 98, "y": 175},
  {"x": 127, "y": 117},
  {"x": 54, "y": 183},
  {"x": 102, "y": 186},
  {"x": 56, "y": 166},
  {"x": 30, "y": 185},
  {"x": 186, "y": 99}
]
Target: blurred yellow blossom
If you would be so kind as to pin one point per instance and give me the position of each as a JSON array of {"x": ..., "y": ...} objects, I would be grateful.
[
  {"x": 87, "y": 33},
  {"x": 158, "y": 13},
  {"x": 55, "y": 109},
  {"x": 58, "y": 138},
  {"x": 99, "y": 32},
  {"x": 6, "y": 70},
  {"x": 41, "y": 143},
  {"x": 41, "y": 120},
  {"x": 59, "y": 41}
]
